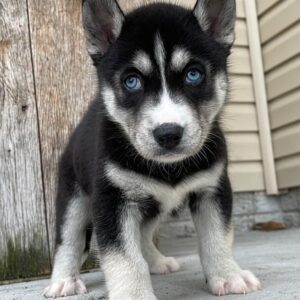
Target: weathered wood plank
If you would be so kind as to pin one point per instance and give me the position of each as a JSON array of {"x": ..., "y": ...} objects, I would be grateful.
[
  {"x": 64, "y": 83},
  {"x": 23, "y": 236}
]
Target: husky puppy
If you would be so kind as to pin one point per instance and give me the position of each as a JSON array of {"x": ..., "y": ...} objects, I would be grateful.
[{"x": 150, "y": 142}]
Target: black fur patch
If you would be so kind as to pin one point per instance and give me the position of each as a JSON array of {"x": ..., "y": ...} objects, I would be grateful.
[
  {"x": 149, "y": 208},
  {"x": 108, "y": 206},
  {"x": 222, "y": 196}
]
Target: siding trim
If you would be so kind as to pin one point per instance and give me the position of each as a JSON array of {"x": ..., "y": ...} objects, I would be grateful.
[{"x": 261, "y": 97}]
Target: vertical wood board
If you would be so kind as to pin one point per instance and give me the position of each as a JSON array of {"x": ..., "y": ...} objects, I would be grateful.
[
  {"x": 22, "y": 221},
  {"x": 64, "y": 82}
]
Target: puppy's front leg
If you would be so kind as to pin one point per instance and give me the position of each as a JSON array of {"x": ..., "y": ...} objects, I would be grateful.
[
  {"x": 117, "y": 225},
  {"x": 211, "y": 213}
]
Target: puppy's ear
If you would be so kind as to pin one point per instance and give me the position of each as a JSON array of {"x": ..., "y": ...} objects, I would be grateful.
[
  {"x": 217, "y": 18},
  {"x": 102, "y": 22}
]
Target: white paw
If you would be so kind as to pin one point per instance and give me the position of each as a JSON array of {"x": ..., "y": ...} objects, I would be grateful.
[
  {"x": 239, "y": 283},
  {"x": 65, "y": 287},
  {"x": 165, "y": 265}
]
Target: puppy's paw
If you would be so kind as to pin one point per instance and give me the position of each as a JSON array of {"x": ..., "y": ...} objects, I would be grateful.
[
  {"x": 65, "y": 287},
  {"x": 237, "y": 283},
  {"x": 165, "y": 265}
]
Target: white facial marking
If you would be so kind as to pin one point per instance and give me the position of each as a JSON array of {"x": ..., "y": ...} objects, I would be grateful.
[
  {"x": 109, "y": 98},
  {"x": 116, "y": 113},
  {"x": 215, "y": 106},
  {"x": 68, "y": 257},
  {"x": 167, "y": 111},
  {"x": 221, "y": 87},
  {"x": 160, "y": 56},
  {"x": 143, "y": 62},
  {"x": 136, "y": 186},
  {"x": 180, "y": 58}
]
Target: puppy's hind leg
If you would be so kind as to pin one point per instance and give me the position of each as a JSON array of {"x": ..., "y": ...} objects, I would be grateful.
[
  {"x": 158, "y": 263},
  {"x": 72, "y": 223}
]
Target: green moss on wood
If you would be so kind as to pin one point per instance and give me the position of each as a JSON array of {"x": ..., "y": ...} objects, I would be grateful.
[{"x": 17, "y": 262}]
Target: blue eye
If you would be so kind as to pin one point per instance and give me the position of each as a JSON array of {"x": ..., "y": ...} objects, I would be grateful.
[
  {"x": 194, "y": 77},
  {"x": 132, "y": 83}
]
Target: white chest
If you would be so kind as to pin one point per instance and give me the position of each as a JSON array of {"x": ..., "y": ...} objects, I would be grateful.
[{"x": 137, "y": 186}]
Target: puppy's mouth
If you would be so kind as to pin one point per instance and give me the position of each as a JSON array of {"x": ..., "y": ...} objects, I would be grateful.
[
  {"x": 178, "y": 154},
  {"x": 170, "y": 158},
  {"x": 179, "y": 151}
]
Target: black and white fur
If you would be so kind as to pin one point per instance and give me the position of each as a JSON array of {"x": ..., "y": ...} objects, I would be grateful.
[{"x": 115, "y": 178}]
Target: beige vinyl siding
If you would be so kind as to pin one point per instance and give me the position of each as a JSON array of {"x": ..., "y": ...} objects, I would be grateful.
[
  {"x": 285, "y": 140},
  {"x": 240, "y": 120},
  {"x": 241, "y": 89},
  {"x": 247, "y": 176},
  {"x": 278, "y": 18},
  {"x": 262, "y": 6},
  {"x": 285, "y": 109},
  {"x": 281, "y": 55}
]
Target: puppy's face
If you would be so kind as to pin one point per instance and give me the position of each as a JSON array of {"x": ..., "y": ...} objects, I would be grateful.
[{"x": 164, "y": 80}]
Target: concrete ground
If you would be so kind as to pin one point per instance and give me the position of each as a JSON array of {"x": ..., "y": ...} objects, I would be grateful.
[{"x": 274, "y": 257}]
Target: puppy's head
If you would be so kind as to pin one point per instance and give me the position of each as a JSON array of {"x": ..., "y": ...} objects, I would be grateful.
[{"x": 162, "y": 71}]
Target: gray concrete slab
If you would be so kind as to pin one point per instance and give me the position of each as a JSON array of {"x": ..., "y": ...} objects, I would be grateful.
[{"x": 274, "y": 257}]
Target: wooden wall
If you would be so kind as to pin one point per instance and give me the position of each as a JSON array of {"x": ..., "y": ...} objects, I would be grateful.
[
  {"x": 63, "y": 81},
  {"x": 22, "y": 202},
  {"x": 240, "y": 120},
  {"x": 46, "y": 83},
  {"x": 281, "y": 54}
]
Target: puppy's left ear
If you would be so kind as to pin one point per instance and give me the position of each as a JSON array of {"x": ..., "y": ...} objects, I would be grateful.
[
  {"x": 102, "y": 22},
  {"x": 217, "y": 18}
]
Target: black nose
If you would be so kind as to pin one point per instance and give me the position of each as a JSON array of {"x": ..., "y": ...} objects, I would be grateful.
[{"x": 168, "y": 135}]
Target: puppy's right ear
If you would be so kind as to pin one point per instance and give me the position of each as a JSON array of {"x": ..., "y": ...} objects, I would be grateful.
[
  {"x": 102, "y": 22},
  {"x": 217, "y": 18}
]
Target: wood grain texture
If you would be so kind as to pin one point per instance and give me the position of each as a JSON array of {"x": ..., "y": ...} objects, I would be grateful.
[
  {"x": 22, "y": 221},
  {"x": 64, "y": 82}
]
